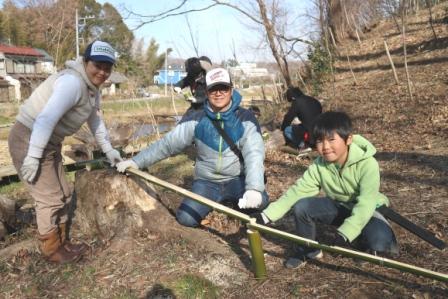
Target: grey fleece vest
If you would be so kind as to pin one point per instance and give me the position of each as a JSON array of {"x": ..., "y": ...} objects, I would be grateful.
[{"x": 73, "y": 119}]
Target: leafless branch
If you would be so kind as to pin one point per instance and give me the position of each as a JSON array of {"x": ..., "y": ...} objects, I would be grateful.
[{"x": 193, "y": 41}]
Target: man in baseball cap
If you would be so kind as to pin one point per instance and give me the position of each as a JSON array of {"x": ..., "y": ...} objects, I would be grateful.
[{"x": 229, "y": 160}]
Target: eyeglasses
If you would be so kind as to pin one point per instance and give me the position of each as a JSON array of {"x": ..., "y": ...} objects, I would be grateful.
[{"x": 223, "y": 89}]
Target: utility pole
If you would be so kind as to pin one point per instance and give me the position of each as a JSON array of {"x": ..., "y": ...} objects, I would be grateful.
[
  {"x": 77, "y": 40},
  {"x": 77, "y": 28},
  {"x": 166, "y": 72}
]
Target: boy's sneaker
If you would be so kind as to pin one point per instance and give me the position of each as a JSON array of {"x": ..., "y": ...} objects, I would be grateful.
[{"x": 295, "y": 262}]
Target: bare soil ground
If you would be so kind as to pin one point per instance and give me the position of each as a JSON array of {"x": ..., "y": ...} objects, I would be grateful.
[{"x": 411, "y": 138}]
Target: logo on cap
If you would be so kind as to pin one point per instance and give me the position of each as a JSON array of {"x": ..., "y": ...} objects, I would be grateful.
[{"x": 217, "y": 76}]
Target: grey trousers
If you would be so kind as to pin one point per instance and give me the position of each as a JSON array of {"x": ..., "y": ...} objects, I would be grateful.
[{"x": 50, "y": 190}]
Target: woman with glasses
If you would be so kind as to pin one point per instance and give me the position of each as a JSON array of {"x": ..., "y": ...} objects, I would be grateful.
[
  {"x": 58, "y": 108},
  {"x": 221, "y": 172}
]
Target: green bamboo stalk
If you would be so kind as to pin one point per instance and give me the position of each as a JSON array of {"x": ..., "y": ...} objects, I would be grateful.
[
  {"x": 350, "y": 253},
  {"x": 201, "y": 199},
  {"x": 256, "y": 250},
  {"x": 302, "y": 241}
]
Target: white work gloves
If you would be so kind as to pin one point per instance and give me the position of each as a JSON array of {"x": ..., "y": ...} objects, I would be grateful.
[
  {"x": 177, "y": 90},
  {"x": 251, "y": 199},
  {"x": 122, "y": 166},
  {"x": 114, "y": 157},
  {"x": 29, "y": 168}
]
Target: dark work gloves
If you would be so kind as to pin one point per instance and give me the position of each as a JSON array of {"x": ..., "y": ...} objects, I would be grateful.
[
  {"x": 260, "y": 218},
  {"x": 340, "y": 241}
]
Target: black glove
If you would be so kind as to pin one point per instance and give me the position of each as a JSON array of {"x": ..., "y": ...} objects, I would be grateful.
[
  {"x": 340, "y": 241},
  {"x": 259, "y": 218}
]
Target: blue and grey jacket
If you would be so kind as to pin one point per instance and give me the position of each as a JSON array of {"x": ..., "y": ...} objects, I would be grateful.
[{"x": 215, "y": 161}]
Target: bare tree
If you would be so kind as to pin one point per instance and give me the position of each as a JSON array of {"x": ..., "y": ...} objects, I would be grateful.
[
  {"x": 194, "y": 39},
  {"x": 267, "y": 17}
]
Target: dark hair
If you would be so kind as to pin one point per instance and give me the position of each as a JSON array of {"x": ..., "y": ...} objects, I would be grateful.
[
  {"x": 332, "y": 122},
  {"x": 193, "y": 66},
  {"x": 293, "y": 93}
]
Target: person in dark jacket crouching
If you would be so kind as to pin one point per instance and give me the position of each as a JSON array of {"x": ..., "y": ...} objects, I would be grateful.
[{"x": 305, "y": 109}]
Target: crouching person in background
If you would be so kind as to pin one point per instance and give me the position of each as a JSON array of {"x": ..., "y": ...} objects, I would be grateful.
[
  {"x": 305, "y": 110},
  {"x": 56, "y": 109},
  {"x": 349, "y": 175},
  {"x": 220, "y": 174}
]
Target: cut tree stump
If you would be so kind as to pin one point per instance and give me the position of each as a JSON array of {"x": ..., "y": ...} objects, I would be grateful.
[
  {"x": 275, "y": 140},
  {"x": 111, "y": 205}
]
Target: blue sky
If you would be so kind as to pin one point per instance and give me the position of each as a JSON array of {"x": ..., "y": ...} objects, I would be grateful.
[{"x": 215, "y": 29}]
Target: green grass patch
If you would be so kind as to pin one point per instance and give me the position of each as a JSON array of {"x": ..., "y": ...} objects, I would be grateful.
[
  {"x": 192, "y": 286},
  {"x": 157, "y": 106},
  {"x": 4, "y": 120},
  {"x": 12, "y": 188},
  {"x": 177, "y": 166}
]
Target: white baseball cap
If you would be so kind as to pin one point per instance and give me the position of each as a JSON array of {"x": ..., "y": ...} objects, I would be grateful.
[{"x": 217, "y": 76}]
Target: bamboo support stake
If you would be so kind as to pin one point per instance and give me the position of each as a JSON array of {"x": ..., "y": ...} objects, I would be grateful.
[
  {"x": 303, "y": 81},
  {"x": 302, "y": 241},
  {"x": 351, "y": 70},
  {"x": 256, "y": 250},
  {"x": 172, "y": 101},
  {"x": 391, "y": 62},
  {"x": 351, "y": 253},
  {"x": 332, "y": 37},
  {"x": 403, "y": 34}
]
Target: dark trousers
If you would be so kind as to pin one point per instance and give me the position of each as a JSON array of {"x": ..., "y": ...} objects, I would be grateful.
[
  {"x": 191, "y": 212},
  {"x": 376, "y": 236},
  {"x": 295, "y": 135}
]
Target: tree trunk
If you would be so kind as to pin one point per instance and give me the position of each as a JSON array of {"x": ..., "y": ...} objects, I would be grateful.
[
  {"x": 270, "y": 34},
  {"x": 113, "y": 206}
]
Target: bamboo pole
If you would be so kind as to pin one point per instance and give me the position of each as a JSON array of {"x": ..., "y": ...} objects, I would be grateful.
[
  {"x": 350, "y": 253},
  {"x": 303, "y": 81},
  {"x": 403, "y": 35},
  {"x": 256, "y": 250},
  {"x": 351, "y": 70},
  {"x": 303, "y": 241},
  {"x": 391, "y": 62},
  {"x": 332, "y": 37},
  {"x": 194, "y": 196}
]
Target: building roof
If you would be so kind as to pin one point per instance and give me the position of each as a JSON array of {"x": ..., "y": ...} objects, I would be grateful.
[
  {"x": 117, "y": 78},
  {"x": 22, "y": 51},
  {"x": 46, "y": 56}
]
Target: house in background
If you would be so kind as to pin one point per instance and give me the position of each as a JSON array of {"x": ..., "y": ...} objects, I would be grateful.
[
  {"x": 46, "y": 63},
  {"x": 23, "y": 70},
  {"x": 171, "y": 76},
  {"x": 247, "y": 70},
  {"x": 112, "y": 84},
  {"x": 7, "y": 90}
]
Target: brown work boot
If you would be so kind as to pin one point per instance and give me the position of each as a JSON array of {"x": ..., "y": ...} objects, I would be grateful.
[
  {"x": 76, "y": 248},
  {"x": 54, "y": 250}
]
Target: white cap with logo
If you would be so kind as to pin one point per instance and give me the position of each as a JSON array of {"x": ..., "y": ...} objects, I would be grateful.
[
  {"x": 217, "y": 76},
  {"x": 100, "y": 51}
]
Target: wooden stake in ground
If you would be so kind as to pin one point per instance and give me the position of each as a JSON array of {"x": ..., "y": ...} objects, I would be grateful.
[
  {"x": 391, "y": 62},
  {"x": 351, "y": 70},
  {"x": 403, "y": 19}
]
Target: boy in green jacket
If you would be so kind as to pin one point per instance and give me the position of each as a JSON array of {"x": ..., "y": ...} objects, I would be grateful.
[{"x": 349, "y": 175}]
